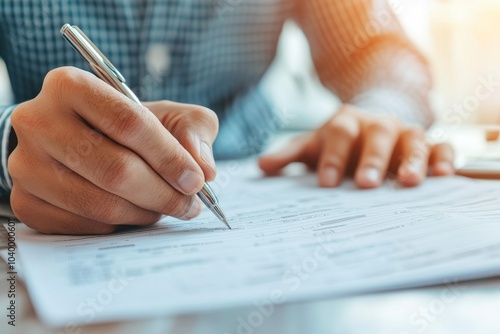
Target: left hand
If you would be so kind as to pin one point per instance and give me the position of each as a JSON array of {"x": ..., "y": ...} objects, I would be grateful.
[{"x": 368, "y": 147}]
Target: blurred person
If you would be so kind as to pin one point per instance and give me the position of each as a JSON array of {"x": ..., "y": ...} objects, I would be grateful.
[{"x": 78, "y": 157}]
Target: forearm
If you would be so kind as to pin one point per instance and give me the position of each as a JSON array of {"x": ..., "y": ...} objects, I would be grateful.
[{"x": 362, "y": 54}]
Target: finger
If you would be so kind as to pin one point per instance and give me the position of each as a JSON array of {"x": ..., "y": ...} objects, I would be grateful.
[
  {"x": 300, "y": 149},
  {"x": 76, "y": 194},
  {"x": 378, "y": 142},
  {"x": 195, "y": 128},
  {"x": 55, "y": 220},
  {"x": 114, "y": 169},
  {"x": 442, "y": 160},
  {"x": 414, "y": 157},
  {"x": 338, "y": 139},
  {"x": 128, "y": 124}
]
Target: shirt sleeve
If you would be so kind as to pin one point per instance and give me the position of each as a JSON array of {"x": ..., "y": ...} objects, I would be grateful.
[
  {"x": 5, "y": 132},
  {"x": 362, "y": 54}
]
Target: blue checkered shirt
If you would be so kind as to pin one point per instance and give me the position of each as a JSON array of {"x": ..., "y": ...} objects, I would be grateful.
[{"x": 215, "y": 53}]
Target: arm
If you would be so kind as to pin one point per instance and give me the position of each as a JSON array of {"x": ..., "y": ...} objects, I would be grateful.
[{"x": 362, "y": 55}]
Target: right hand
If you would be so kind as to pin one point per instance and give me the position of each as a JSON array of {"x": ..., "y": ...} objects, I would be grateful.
[{"x": 89, "y": 159}]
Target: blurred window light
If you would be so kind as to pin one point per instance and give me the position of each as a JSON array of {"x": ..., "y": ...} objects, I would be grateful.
[
  {"x": 465, "y": 54},
  {"x": 5, "y": 91}
]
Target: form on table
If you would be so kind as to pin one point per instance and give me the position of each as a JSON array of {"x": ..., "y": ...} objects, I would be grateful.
[{"x": 290, "y": 241}]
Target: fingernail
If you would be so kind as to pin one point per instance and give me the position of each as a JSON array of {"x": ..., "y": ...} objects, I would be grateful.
[
  {"x": 444, "y": 168},
  {"x": 411, "y": 168},
  {"x": 193, "y": 211},
  {"x": 370, "y": 175},
  {"x": 329, "y": 177},
  {"x": 190, "y": 181},
  {"x": 207, "y": 154}
]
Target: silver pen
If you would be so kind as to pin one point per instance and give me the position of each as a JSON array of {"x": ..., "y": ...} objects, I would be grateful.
[{"x": 107, "y": 72}]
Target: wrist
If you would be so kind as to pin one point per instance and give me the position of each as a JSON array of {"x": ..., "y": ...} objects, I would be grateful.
[{"x": 389, "y": 101}]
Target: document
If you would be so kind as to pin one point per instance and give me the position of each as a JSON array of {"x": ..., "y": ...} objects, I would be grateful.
[{"x": 291, "y": 241}]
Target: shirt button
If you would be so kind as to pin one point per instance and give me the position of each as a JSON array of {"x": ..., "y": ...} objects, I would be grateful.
[{"x": 158, "y": 61}]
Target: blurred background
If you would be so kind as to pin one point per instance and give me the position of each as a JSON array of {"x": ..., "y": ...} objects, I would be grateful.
[
  {"x": 461, "y": 38},
  {"x": 5, "y": 92}
]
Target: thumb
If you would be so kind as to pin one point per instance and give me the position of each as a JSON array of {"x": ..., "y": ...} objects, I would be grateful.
[
  {"x": 195, "y": 128},
  {"x": 301, "y": 149}
]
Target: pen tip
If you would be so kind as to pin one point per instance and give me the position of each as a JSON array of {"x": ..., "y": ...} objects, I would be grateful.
[{"x": 220, "y": 214}]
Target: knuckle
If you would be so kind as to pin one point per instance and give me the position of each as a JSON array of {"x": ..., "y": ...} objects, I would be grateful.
[
  {"x": 83, "y": 201},
  {"x": 26, "y": 120},
  {"x": 61, "y": 79},
  {"x": 193, "y": 116},
  {"x": 20, "y": 206},
  {"x": 19, "y": 116},
  {"x": 413, "y": 132},
  {"x": 115, "y": 172},
  {"x": 112, "y": 216},
  {"x": 21, "y": 165},
  {"x": 15, "y": 165},
  {"x": 177, "y": 205},
  {"x": 199, "y": 115},
  {"x": 383, "y": 126},
  {"x": 105, "y": 229},
  {"x": 335, "y": 161},
  {"x": 110, "y": 211},
  {"x": 151, "y": 219},
  {"x": 145, "y": 218},
  {"x": 173, "y": 164},
  {"x": 206, "y": 115},
  {"x": 445, "y": 150},
  {"x": 127, "y": 123},
  {"x": 342, "y": 130}
]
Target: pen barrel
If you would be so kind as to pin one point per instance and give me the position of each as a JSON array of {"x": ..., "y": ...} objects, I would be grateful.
[{"x": 207, "y": 196}]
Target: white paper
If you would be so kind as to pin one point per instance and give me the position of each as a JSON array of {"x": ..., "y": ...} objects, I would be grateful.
[{"x": 291, "y": 241}]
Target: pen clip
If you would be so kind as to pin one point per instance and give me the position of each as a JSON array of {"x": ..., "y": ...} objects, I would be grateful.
[
  {"x": 96, "y": 59},
  {"x": 104, "y": 59}
]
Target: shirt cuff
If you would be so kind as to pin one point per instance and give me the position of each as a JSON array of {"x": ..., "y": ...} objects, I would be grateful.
[
  {"x": 5, "y": 131},
  {"x": 389, "y": 101}
]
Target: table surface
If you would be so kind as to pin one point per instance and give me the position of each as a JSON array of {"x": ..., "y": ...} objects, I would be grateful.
[{"x": 473, "y": 310}]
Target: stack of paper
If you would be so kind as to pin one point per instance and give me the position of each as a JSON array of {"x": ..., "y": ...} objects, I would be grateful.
[{"x": 291, "y": 241}]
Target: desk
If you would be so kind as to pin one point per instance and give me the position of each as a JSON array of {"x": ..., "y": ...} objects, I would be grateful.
[{"x": 471, "y": 308}]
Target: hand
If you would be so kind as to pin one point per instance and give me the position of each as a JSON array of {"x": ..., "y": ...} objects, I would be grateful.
[
  {"x": 69, "y": 178},
  {"x": 369, "y": 147}
]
